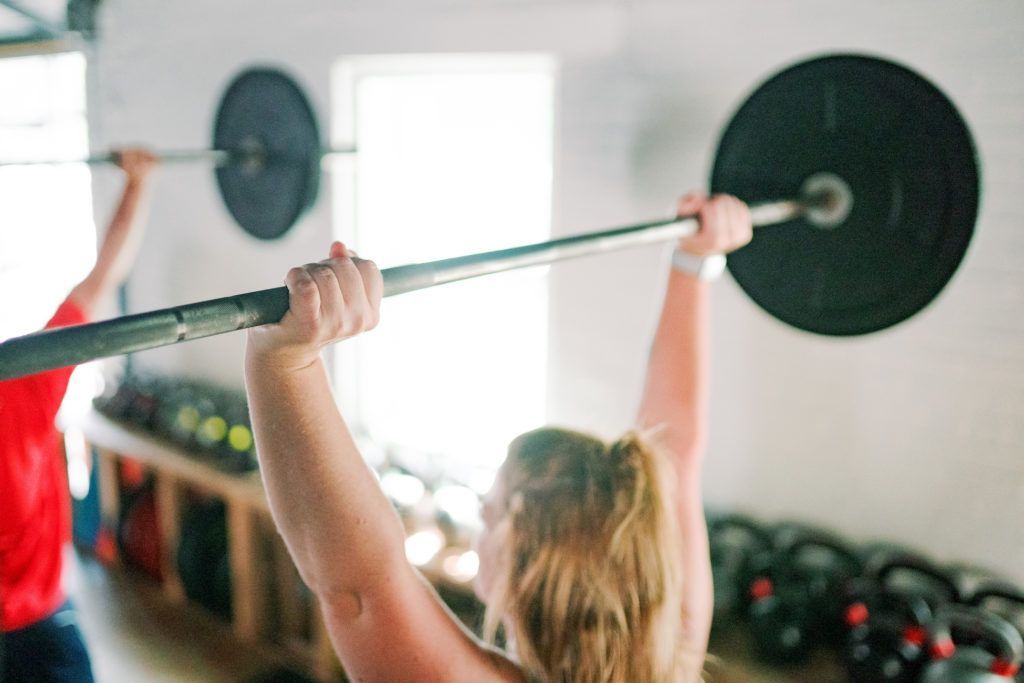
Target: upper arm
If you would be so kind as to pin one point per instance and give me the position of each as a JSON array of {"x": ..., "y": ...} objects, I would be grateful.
[
  {"x": 698, "y": 595},
  {"x": 401, "y": 631}
]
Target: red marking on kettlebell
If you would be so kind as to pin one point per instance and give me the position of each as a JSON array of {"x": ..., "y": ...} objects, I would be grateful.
[
  {"x": 943, "y": 649},
  {"x": 762, "y": 588},
  {"x": 856, "y": 614},
  {"x": 915, "y": 635},
  {"x": 1001, "y": 667}
]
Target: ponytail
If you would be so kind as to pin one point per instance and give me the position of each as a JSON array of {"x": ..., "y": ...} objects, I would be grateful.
[{"x": 590, "y": 587}]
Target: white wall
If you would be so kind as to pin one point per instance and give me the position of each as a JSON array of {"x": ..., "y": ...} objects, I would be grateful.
[{"x": 914, "y": 433}]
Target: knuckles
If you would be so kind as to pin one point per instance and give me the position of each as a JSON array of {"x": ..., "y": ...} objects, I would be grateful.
[{"x": 320, "y": 320}]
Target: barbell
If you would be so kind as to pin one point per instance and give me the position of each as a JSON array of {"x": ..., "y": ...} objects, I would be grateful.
[
  {"x": 865, "y": 171},
  {"x": 266, "y": 152}
]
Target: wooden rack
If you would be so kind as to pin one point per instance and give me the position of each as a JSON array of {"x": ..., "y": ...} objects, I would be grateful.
[{"x": 249, "y": 525}]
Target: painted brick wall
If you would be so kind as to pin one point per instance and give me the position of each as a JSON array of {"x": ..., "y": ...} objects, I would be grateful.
[{"x": 913, "y": 434}]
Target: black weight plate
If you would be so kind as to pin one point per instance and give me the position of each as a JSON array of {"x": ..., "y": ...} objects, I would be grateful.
[
  {"x": 908, "y": 158},
  {"x": 265, "y": 109}
]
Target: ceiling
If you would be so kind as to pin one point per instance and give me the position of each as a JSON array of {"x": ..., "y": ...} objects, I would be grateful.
[{"x": 31, "y": 20}]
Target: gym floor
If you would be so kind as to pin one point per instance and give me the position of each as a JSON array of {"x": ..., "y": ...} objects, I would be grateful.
[{"x": 133, "y": 634}]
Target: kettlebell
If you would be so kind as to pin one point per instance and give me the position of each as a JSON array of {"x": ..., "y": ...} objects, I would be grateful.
[
  {"x": 1003, "y": 599},
  {"x": 888, "y": 635},
  {"x": 202, "y": 557},
  {"x": 799, "y": 601},
  {"x": 740, "y": 548},
  {"x": 970, "y": 645},
  {"x": 888, "y": 615}
]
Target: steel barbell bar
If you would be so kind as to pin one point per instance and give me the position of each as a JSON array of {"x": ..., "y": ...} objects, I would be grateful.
[
  {"x": 218, "y": 157},
  {"x": 61, "y": 347},
  {"x": 266, "y": 151},
  {"x": 885, "y": 208}
]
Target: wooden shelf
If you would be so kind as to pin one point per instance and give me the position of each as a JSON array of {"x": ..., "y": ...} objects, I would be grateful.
[{"x": 248, "y": 516}]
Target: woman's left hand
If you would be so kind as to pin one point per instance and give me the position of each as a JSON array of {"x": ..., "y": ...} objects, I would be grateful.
[{"x": 724, "y": 223}]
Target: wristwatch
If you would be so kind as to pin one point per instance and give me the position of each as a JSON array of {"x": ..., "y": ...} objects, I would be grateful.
[{"x": 708, "y": 267}]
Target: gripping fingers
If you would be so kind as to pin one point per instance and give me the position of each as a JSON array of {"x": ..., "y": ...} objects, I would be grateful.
[
  {"x": 303, "y": 296},
  {"x": 690, "y": 204},
  {"x": 357, "y": 307},
  {"x": 332, "y": 299},
  {"x": 373, "y": 283}
]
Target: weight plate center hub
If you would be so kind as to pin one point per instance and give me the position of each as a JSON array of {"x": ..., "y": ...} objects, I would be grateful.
[{"x": 828, "y": 198}]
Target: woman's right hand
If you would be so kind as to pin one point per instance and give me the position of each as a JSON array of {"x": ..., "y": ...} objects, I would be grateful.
[{"x": 327, "y": 301}]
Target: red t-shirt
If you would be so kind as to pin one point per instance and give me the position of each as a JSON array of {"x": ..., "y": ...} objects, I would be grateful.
[{"x": 35, "y": 509}]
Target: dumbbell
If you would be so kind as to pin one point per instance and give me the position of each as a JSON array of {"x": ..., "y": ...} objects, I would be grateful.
[
  {"x": 237, "y": 451},
  {"x": 889, "y": 614},
  {"x": 177, "y": 394},
  {"x": 740, "y": 549},
  {"x": 971, "y": 645},
  {"x": 799, "y": 601},
  {"x": 145, "y": 399}
]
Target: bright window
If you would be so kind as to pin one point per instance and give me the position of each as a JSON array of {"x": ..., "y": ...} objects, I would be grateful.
[
  {"x": 454, "y": 157},
  {"x": 47, "y": 235}
]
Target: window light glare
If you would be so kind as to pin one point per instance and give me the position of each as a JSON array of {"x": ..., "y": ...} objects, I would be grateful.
[
  {"x": 78, "y": 466},
  {"x": 462, "y": 567},
  {"x": 404, "y": 489},
  {"x": 422, "y": 546},
  {"x": 459, "y": 503},
  {"x": 453, "y": 136}
]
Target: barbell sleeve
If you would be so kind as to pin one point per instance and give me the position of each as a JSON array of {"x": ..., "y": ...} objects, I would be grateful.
[{"x": 65, "y": 346}]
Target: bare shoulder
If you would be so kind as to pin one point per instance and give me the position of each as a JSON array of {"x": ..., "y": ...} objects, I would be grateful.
[{"x": 504, "y": 668}]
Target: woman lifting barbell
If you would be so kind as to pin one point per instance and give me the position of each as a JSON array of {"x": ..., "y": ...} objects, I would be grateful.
[{"x": 594, "y": 556}]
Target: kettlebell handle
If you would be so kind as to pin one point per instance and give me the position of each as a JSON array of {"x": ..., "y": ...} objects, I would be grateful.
[
  {"x": 733, "y": 520},
  {"x": 996, "y": 590},
  {"x": 919, "y": 565},
  {"x": 801, "y": 538},
  {"x": 1001, "y": 634}
]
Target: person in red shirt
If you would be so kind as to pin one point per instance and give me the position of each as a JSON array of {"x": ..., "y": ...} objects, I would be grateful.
[{"x": 40, "y": 637}]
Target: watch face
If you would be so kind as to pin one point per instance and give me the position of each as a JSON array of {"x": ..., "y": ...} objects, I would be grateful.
[{"x": 906, "y": 163}]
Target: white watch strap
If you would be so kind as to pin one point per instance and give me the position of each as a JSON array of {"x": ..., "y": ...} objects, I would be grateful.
[{"x": 708, "y": 267}]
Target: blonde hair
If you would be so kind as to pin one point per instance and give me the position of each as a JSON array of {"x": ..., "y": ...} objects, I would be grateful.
[{"x": 589, "y": 588}]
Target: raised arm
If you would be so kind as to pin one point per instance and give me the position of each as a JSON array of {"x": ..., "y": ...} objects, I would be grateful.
[
  {"x": 675, "y": 396},
  {"x": 121, "y": 240},
  {"x": 346, "y": 539}
]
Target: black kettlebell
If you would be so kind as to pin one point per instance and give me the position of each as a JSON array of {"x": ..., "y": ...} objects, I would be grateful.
[
  {"x": 202, "y": 556},
  {"x": 970, "y": 645},
  {"x": 799, "y": 601},
  {"x": 1003, "y": 599},
  {"x": 740, "y": 548},
  {"x": 889, "y": 613},
  {"x": 888, "y": 635}
]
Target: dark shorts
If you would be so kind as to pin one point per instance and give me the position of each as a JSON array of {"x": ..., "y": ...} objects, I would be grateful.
[{"x": 48, "y": 651}]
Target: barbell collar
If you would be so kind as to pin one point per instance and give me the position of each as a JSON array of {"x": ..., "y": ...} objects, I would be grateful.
[{"x": 66, "y": 346}]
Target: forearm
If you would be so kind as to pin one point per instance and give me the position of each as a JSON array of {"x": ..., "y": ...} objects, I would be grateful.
[
  {"x": 676, "y": 388},
  {"x": 340, "y": 528},
  {"x": 118, "y": 246}
]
